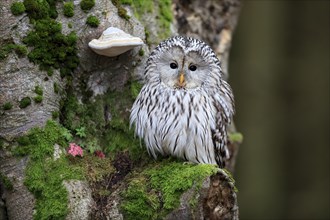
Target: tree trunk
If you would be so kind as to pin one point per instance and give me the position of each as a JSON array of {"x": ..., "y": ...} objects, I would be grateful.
[{"x": 95, "y": 98}]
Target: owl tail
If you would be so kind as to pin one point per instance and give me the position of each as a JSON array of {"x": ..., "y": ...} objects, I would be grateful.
[{"x": 221, "y": 151}]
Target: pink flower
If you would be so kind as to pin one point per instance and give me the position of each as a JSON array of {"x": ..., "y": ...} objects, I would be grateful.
[
  {"x": 75, "y": 150},
  {"x": 99, "y": 154}
]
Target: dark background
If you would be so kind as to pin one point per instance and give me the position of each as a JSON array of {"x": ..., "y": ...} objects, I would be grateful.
[{"x": 279, "y": 71}]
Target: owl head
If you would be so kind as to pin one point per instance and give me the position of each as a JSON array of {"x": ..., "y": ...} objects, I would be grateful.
[{"x": 183, "y": 63}]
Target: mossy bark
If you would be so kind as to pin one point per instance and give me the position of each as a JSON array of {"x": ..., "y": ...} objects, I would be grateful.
[{"x": 90, "y": 99}]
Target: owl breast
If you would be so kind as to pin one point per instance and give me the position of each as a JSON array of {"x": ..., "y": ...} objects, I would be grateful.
[{"x": 176, "y": 122}]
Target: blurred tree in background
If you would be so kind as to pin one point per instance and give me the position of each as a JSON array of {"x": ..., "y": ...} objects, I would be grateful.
[{"x": 279, "y": 71}]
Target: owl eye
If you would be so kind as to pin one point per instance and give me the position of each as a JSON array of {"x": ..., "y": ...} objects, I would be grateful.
[
  {"x": 193, "y": 67},
  {"x": 173, "y": 65}
]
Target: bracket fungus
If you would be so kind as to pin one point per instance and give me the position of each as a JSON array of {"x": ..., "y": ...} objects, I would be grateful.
[{"x": 114, "y": 42}]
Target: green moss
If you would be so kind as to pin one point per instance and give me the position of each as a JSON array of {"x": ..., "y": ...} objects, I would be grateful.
[
  {"x": 37, "y": 9},
  {"x": 5, "y": 50},
  {"x": 50, "y": 72},
  {"x": 105, "y": 119},
  {"x": 235, "y": 137},
  {"x": 141, "y": 52},
  {"x": 166, "y": 18},
  {"x": 68, "y": 9},
  {"x": 163, "y": 9},
  {"x": 7, "y": 106},
  {"x": 51, "y": 48},
  {"x": 55, "y": 114},
  {"x": 135, "y": 89},
  {"x": 2, "y": 143},
  {"x": 86, "y": 5},
  {"x": 157, "y": 190},
  {"x": 44, "y": 176},
  {"x": 6, "y": 182},
  {"x": 140, "y": 7},
  {"x": 56, "y": 88},
  {"x": 25, "y": 102},
  {"x": 20, "y": 50},
  {"x": 95, "y": 168},
  {"x": 92, "y": 21},
  {"x": 38, "y": 90},
  {"x": 70, "y": 25},
  {"x": 38, "y": 99},
  {"x": 122, "y": 12},
  {"x": 17, "y": 8}
]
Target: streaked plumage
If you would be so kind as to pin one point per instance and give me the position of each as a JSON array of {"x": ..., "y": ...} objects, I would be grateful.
[{"x": 185, "y": 106}]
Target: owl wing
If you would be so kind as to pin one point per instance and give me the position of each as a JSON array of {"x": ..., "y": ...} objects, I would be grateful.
[{"x": 224, "y": 104}]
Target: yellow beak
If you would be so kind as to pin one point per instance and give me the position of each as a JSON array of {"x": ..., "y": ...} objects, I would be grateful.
[{"x": 181, "y": 79}]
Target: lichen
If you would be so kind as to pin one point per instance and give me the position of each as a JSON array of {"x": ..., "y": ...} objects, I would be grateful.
[
  {"x": 17, "y": 8},
  {"x": 92, "y": 21},
  {"x": 156, "y": 191}
]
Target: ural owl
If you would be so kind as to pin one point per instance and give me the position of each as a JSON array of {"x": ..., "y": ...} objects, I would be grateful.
[{"x": 185, "y": 106}]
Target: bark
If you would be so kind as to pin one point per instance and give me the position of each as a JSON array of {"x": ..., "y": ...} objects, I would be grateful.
[{"x": 211, "y": 21}]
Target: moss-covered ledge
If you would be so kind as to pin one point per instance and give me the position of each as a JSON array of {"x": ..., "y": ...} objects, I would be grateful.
[{"x": 154, "y": 191}]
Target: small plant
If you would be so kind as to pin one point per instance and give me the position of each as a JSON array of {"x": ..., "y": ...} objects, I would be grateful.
[
  {"x": 92, "y": 21},
  {"x": 86, "y": 5},
  {"x": 75, "y": 150},
  {"x": 67, "y": 135},
  {"x": 7, "y": 106},
  {"x": 38, "y": 99},
  {"x": 68, "y": 9},
  {"x": 92, "y": 146},
  {"x": 25, "y": 102},
  {"x": 17, "y": 8},
  {"x": 81, "y": 132},
  {"x": 38, "y": 90},
  {"x": 70, "y": 25}
]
